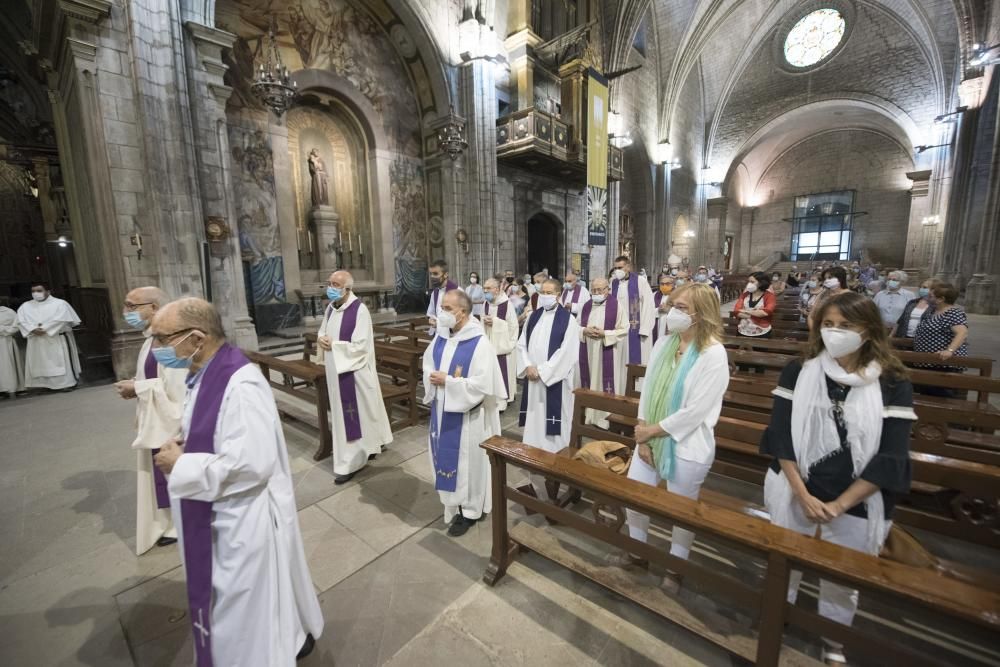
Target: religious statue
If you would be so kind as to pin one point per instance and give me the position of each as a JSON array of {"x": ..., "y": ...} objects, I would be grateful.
[
  {"x": 317, "y": 171},
  {"x": 481, "y": 10}
]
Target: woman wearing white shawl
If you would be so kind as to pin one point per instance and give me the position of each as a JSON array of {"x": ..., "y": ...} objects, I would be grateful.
[{"x": 840, "y": 433}]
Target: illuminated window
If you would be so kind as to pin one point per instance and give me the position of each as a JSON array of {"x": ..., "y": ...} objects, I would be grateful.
[{"x": 814, "y": 37}]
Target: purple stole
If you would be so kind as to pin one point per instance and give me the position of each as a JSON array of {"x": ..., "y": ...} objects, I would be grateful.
[
  {"x": 553, "y": 393},
  {"x": 446, "y": 443},
  {"x": 348, "y": 390},
  {"x": 502, "y": 315},
  {"x": 607, "y": 351},
  {"x": 576, "y": 296},
  {"x": 657, "y": 300},
  {"x": 151, "y": 370},
  {"x": 448, "y": 286},
  {"x": 197, "y": 514},
  {"x": 634, "y": 344},
  {"x": 534, "y": 301}
]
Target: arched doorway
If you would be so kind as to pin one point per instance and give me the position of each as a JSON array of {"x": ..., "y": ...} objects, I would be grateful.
[{"x": 544, "y": 244}]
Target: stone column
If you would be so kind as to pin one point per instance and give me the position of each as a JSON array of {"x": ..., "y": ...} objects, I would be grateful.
[
  {"x": 519, "y": 42},
  {"x": 208, "y": 95},
  {"x": 982, "y": 293},
  {"x": 716, "y": 209},
  {"x": 922, "y": 230},
  {"x": 327, "y": 225}
]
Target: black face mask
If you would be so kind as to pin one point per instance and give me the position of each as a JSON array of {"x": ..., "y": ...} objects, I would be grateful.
[{"x": 435, "y": 281}]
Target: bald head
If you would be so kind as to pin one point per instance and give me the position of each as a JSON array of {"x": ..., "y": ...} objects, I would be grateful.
[
  {"x": 341, "y": 279},
  {"x": 186, "y": 314},
  {"x": 599, "y": 285},
  {"x": 142, "y": 304},
  {"x": 150, "y": 294}
]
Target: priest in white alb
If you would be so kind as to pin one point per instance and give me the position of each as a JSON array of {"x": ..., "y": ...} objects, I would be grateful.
[
  {"x": 547, "y": 354},
  {"x": 11, "y": 364},
  {"x": 603, "y": 327},
  {"x": 159, "y": 393},
  {"x": 441, "y": 284},
  {"x": 636, "y": 298},
  {"x": 574, "y": 294},
  {"x": 346, "y": 342},
  {"x": 251, "y": 600},
  {"x": 500, "y": 323},
  {"x": 51, "y": 360},
  {"x": 465, "y": 391}
]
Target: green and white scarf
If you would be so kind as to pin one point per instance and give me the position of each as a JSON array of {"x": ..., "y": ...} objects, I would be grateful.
[{"x": 665, "y": 384}]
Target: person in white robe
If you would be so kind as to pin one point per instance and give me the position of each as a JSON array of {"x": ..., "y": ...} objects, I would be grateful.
[
  {"x": 11, "y": 364},
  {"x": 441, "y": 284},
  {"x": 159, "y": 393},
  {"x": 251, "y": 599},
  {"x": 574, "y": 294},
  {"x": 465, "y": 391},
  {"x": 346, "y": 342},
  {"x": 635, "y": 296},
  {"x": 51, "y": 360},
  {"x": 500, "y": 324},
  {"x": 547, "y": 354},
  {"x": 603, "y": 326}
]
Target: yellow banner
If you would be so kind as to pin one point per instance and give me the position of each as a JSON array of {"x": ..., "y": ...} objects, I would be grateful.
[{"x": 597, "y": 130}]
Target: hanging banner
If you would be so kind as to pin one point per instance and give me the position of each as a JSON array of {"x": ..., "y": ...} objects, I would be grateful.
[{"x": 597, "y": 158}]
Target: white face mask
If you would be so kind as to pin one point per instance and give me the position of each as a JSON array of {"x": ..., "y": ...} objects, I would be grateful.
[
  {"x": 619, "y": 274},
  {"x": 38, "y": 296},
  {"x": 546, "y": 301},
  {"x": 446, "y": 320},
  {"x": 751, "y": 287},
  {"x": 678, "y": 321},
  {"x": 473, "y": 280},
  {"x": 831, "y": 283},
  {"x": 841, "y": 342},
  {"x": 599, "y": 298}
]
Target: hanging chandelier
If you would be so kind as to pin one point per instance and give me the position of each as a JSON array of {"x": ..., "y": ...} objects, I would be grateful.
[
  {"x": 451, "y": 135},
  {"x": 271, "y": 84}
]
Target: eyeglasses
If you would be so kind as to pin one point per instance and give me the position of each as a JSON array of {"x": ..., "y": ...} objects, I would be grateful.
[
  {"x": 133, "y": 306},
  {"x": 162, "y": 339}
]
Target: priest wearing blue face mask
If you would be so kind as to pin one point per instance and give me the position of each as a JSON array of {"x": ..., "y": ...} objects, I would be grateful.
[
  {"x": 159, "y": 393},
  {"x": 346, "y": 341},
  {"x": 233, "y": 501}
]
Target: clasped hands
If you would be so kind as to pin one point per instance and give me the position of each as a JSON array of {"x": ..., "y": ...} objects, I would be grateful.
[
  {"x": 593, "y": 332},
  {"x": 324, "y": 343},
  {"x": 816, "y": 510},
  {"x": 169, "y": 452}
]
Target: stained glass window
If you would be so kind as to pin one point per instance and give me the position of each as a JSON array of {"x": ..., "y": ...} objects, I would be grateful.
[{"x": 814, "y": 37}]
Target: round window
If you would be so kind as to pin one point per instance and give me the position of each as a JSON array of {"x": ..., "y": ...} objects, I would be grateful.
[{"x": 814, "y": 37}]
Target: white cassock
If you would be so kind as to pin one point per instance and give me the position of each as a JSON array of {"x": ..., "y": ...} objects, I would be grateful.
[
  {"x": 437, "y": 298},
  {"x": 660, "y": 327},
  {"x": 263, "y": 600},
  {"x": 595, "y": 358},
  {"x": 478, "y": 396},
  {"x": 566, "y": 299},
  {"x": 158, "y": 410},
  {"x": 502, "y": 334},
  {"x": 356, "y": 355},
  {"x": 11, "y": 365},
  {"x": 51, "y": 361},
  {"x": 646, "y": 316}
]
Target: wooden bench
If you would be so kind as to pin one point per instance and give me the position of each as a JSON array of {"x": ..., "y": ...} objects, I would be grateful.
[
  {"x": 776, "y": 550},
  {"x": 304, "y": 380}
]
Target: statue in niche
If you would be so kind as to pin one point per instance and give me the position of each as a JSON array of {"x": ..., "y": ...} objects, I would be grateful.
[
  {"x": 481, "y": 10},
  {"x": 317, "y": 172}
]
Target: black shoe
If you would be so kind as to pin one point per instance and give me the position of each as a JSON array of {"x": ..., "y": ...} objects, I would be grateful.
[
  {"x": 371, "y": 457},
  {"x": 166, "y": 541},
  {"x": 344, "y": 479},
  {"x": 307, "y": 647},
  {"x": 460, "y": 526}
]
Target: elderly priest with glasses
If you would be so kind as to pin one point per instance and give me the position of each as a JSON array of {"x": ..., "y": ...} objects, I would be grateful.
[
  {"x": 465, "y": 391},
  {"x": 251, "y": 600}
]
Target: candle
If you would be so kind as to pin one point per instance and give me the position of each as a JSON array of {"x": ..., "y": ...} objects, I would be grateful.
[
  {"x": 361, "y": 247},
  {"x": 350, "y": 244},
  {"x": 138, "y": 242}
]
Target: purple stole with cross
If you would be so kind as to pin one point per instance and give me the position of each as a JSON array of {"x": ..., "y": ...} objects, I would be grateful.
[
  {"x": 446, "y": 438},
  {"x": 151, "y": 371},
  {"x": 553, "y": 393},
  {"x": 657, "y": 300},
  {"x": 196, "y": 515},
  {"x": 607, "y": 351},
  {"x": 348, "y": 389},
  {"x": 448, "y": 286},
  {"x": 634, "y": 344},
  {"x": 576, "y": 296},
  {"x": 501, "y": 315}
]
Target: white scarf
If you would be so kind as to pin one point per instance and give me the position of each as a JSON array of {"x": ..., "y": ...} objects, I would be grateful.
[{"x": 814, "y": 435}]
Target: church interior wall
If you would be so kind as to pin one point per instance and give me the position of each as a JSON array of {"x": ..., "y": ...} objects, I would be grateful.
[{"x": 871, "y": 164}]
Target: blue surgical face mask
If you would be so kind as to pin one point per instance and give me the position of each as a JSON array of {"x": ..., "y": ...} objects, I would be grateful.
[
  {"x": 489, "y": 296},
  {"x": 924, "y": 291},
  {"x": 134, "y": 320},
  {"x": 811, "y": 284},
  {"x": 893, "y": 284},
  {"x": 567, "y": 286},
  {"x": 334, "y": 293},
  {"x": 167, "y": 356},
  {"x": 678, "y": 282}
]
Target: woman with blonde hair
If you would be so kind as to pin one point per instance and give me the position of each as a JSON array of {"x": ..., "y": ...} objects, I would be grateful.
[
  {"x": 688, "y": 374},
  {"x": 840, "y": 437}
]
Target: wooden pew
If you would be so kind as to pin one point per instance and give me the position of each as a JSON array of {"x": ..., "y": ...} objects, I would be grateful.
[
  {"x": 305, "y": 380},
  {"x": 777, "y": 550}
]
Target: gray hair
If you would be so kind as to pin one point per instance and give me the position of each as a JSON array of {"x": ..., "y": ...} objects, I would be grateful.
[
  {"x": 194, "y": 313},
  {"x": 897, "y": 275},
  {"x": 152, "y": 294},
  {"x": 554, "y": 283},
  {"x": 598, "y": 282},
  {"x": 491, "y": 282},
  {"x": 463, "y": 299},
  {"x": 348, "y": 279}
]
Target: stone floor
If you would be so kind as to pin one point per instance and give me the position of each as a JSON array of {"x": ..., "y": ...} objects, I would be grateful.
[{"x": 394, "y": 588}]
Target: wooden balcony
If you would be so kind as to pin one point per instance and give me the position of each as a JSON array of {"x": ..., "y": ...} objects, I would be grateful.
[{"x": 537, "y": 141}]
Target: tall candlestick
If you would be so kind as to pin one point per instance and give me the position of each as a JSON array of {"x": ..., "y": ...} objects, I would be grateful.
[
  {"x": 350, "y": 243},
  {"x": 361, "y": 247}
]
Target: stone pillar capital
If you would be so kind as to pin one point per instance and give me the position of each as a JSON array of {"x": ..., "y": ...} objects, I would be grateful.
[
  {"x": 88, "y": 11},
  {"x": 921, "y": 182}
]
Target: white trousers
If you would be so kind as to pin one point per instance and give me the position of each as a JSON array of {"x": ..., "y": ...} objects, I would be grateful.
[
  {"x": 688, "y": 478},
  {"x": 837, "y": 603}
]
